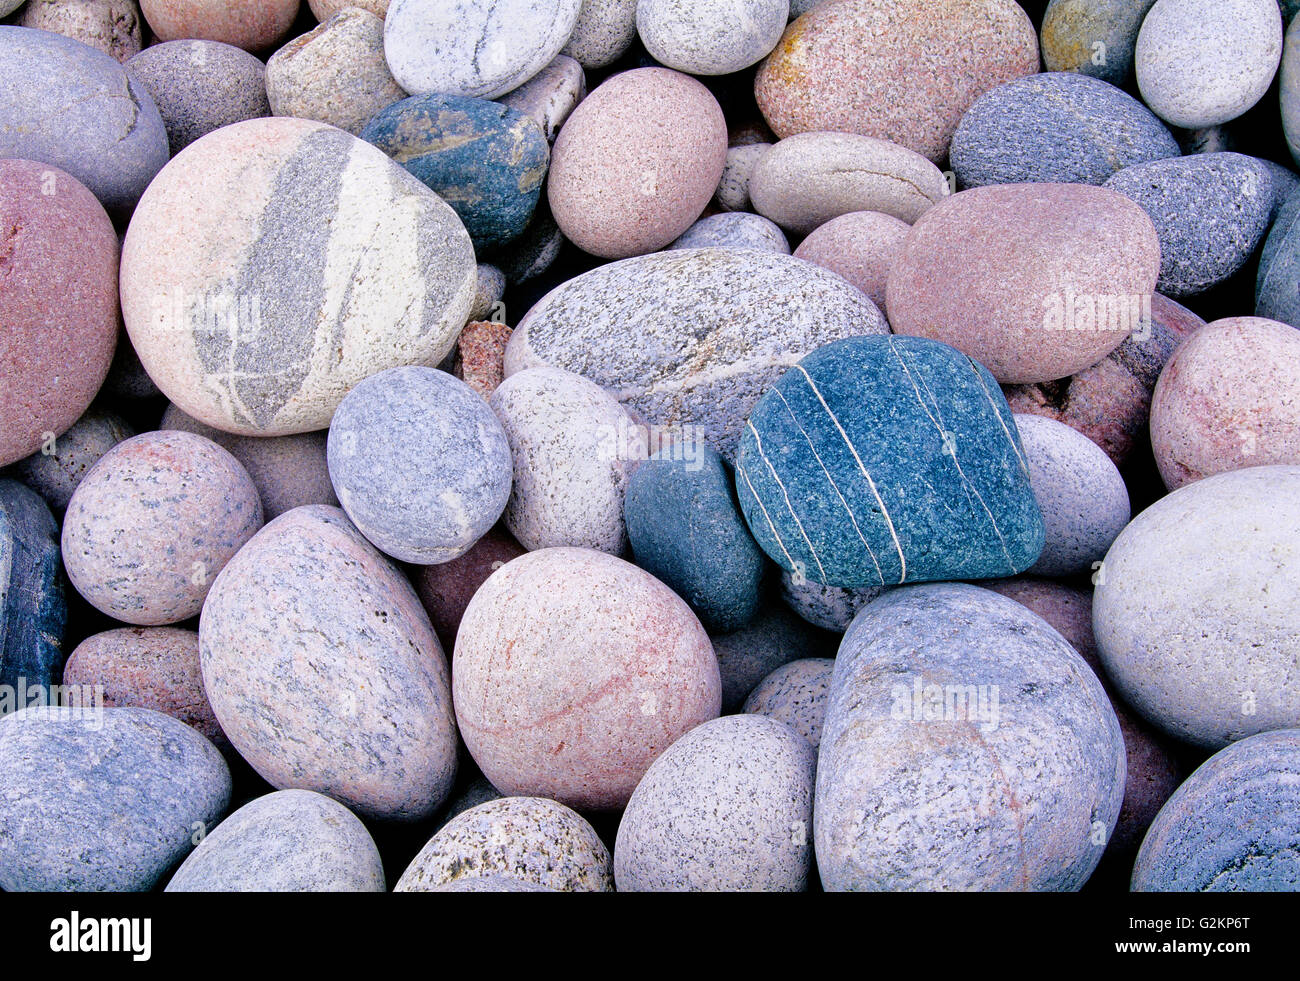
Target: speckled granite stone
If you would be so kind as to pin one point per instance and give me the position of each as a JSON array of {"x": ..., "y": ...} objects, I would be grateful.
[
  {"x": 1276, "y": 295},
  {"x": 860, "y": 246},
  {"x": 796, "y": 694},
  {"x": 735, "y": 230},
  {"x": 481, "y": 356},
  {"x": 550, "y": 97},
  {"x": 1095, "y": 37},
  {"x": 112, "y": 26},
  {"x": 710, "y": 37},
  {"x": 253, "y": 25},
  {"x": 828, "y": 607},
  {"x": 604, "y": 31}
]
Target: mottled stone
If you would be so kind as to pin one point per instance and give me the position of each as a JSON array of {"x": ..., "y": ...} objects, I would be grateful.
[
  {"x": 1211, "y": 211},
  {"x": 325, "y": 673},
  {"x": 726, "y": 808},
  {"x": 253, "y": 25},
  {"x": 737, "y": 230},
  {"x": 882, "y": 460},
  {"x": 860, "y": 246},
  {"x": 446, "y": 589},
  {"x": 637, "y": 162},
  {"x": 488, "y": 303},
  {"x": 286, "y": 841},
  {"x": 151, "y": 667},
  {"x": 604, "y": 31},
  {"x": 55, "y": 474},
  {"x": 481, "y": 356},
  {"x": 733, "y": 187},
  {"x": 68, "y": 105},
  {"x": 796, "y": 694},
  {"x": 1203, "y": 62},
  {"x": 152, "y": 524},
  {"x": 200, "y": 86},
  {"x": 1197, "y": 607},
  {"x": 1233, "y": 826},
  {"x": 573, "y": 671},
  {"x": 334, "y": 263},
  {"x": 929, "y": 60},
  {"x": 112, "y": 26},
  {"x": 691, "y": 338},
  {"x": 335, "y": 73},
  {"x": 773, "y": 638},
  {"x": 807, "y": 179},
  {"x": 485, "y": 159},
  {"x": 476, "y": 792},
  {"x": 828, "y": 607},
  {"x": 710, "y": 37},
  {"x": 323, "y": 10},
  {"x": 462, "y": 47},
  {"x": 33, "y": 610},
  {"x": 1035, "y": 281},
  {"x": 106, "y": 801},
  {"x": 550, "y": 96},
  {"x": 501, "y": 882},
  {"x": 966, "y": 746},
  {"x": 1277, "y": 296},
  {"x": 1095, "y": 37},
  {"x": 1057, "y": 127},
  {"x": 529, "y": 839}
]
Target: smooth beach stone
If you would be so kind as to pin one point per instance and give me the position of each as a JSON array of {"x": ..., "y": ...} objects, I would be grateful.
[
  {"x": 1203, "y": 62},
  {"x": 420, "y": 464},
  {"x": 726, "y": 808},
  {"x": 152, "y": 524},
  {"x": 1110, "y": 402},
  {"x": 486, "y": 160},
  {"x": 335, "y": 73},
  {"x": 860, "y": 246},
  {"x": 1034, "y": 281},
  {"x": 882, "y": 460},
  {"x": 481, "y": 356},
  {"x": 108, "y": 802},
  {"x": 491, "y": 290},
  {"x": 733, "y": 187},
  {"x": 1211, "y": 211},
  {"x": 807, "y": 179},
  {"x": 1057, "y": 127},
  {"x": 33, "y": 608},
  {"x": 323, "y": 10},
  {"x": 710, "y": 37},
  {"x": 686, "y": 530},
  {"x": 200, "y": 86},
  {"x": 1229, "y": 398},
  {"x": 112, "y": 26},
  {"x": 799, "y": 7},
  {"x": 774, "y": 637},
  {"x": 56, "y": 474},
  {"x": 333, "y": 262},
  {"x": 461, "y": 47},
  {"x": 573, "y": 671},
  {"x": 1067, "y": 609},
  {"x": 76, "y": 108},
  {"x": 1289, "y": 85},
  {"x": 898, "y": 70},
  {"x": 828, "y": 607},
  {"x": 288, "y": 471},
  {"x": 637, "y": 162},
  {"x": 1277, "y": 296},
  {"x": 604, "y": 31},
  {"x": 324, "y": 672},
  {"x": 253, "y": 25},
  {"x": 1232, "y": 826},
  {"x": 550, "y": 96},
  {"x": 530, "y": 839},
  {"x": 1080, "y": 493},
  {"x": 147, "y": 667},
  {"x": 573, "y": 449},
  {"x": 1197, "y": 607},
  {"x": 1095, "y": 37},
  {"x": 286, "y": 841},
  {"x": 691, "y": 337},
  {"x": 1285, "y": 183},
  {"x": 446, "y": 589},
  {"x": 966, "y": 747},
  {"x": 7, "y": 7},
  {"x": 58, "y": 303},
  {"x": 734, "y": 230},
  {"x": 796, "y": 694}
]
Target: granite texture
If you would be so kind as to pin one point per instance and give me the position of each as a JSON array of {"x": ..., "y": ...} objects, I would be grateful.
[
  {"x": 860, "y": 246},
  {"x": 734, "y": 230},
  {"x": 112, "y": 26},
  {"x": 710, "y": 37},
  {"x": 550, "y": 96},
  {"x": 1095, "y": 37},
  {"x": 604, "y": 31},
  {"x": 796, "y": 694},
  {"x": 253, "y": 25},
  {"x": 1277, "y": 296}
]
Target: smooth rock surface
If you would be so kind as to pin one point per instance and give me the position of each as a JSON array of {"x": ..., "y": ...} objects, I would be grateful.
[
  {"x": 550, "y": 96},
  {"x": 774, "y": 637},
  {"x": 734, "y": 230},
  {"x": 604, "y": 31},
  {"x": 1095, "y": 37},
  {"x": 710, "y": 37},
  {"x": 1276, "y": 295},
  {"x": 828, "y": 607},
  {"x": 860, "y": 246},
  {"x": 253, "y": 25},
  {"x": 733, "y": 187},
  {"x": 796, "y": 694},
  {"x": 446, "y": 589},
  {"x": 112, "y": 26}
]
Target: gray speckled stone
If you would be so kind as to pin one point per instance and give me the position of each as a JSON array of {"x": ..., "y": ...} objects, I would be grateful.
[
  {"x": 287, "y": 841},
  {"x": 1203, "y": 62},
  {"x": 533, "y": 839},
  {"x": 710, "y": 37},
  {"x": 1232, "y": 826},
  {"x": 1210, "y": 210},
  {"x": 726, "y": 808},
  {"x": 33, "y": 607},
  {"x": 966, "y": 746},
  {"x": 463, "y": 47},
  {"x": 1285, "y": 183},
  {"x": 1082, "y": 496},
  {"x": 604, "y": 31},
  {"x": 200, "y": 86},
  {"x": 774, "y": 638},
  {"x": 478, "y": 791},
  {"x": 796, "y": 694},
  {"x": 737, "y": 230},
  {"x": 491, "y": 288},
  {"x": 7, "y": 7},
  {"x": 324, "y": 672},
  {"x": 1276, "y": 295},
  {"x": 574, "y": 448},
  {"x": 1197, "y": 607},
  {"x": 829, "y": 607},
  {"x": 691, "y": 337},
  {"x": 335, "y": 73},
  {"x": 1289, "y": 82},
  {"x": 420, "y": 464},
  {"x": 1095, "y": 37},
  {"x": 105, "y": 803},
  {"x": 1057, "y": 126},
  {"x": 549, "y": 96},
  {"x": 55, "y": 475},
  {"x": 733, "y": 188},
  {"x": 491, "y": 883}
]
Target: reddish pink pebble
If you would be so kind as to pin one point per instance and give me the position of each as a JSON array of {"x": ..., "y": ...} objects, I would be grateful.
[
  {"x": 481, "y": 356},
  {"x": 253, "y": 25},
  {"x": 860, "y": 246}
]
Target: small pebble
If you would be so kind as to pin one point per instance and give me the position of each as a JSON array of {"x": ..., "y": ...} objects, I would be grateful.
[{"x": 796, "y": 694}]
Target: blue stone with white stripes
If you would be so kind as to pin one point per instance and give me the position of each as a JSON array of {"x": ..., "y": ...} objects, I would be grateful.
[{"x": 877, "y": 461}]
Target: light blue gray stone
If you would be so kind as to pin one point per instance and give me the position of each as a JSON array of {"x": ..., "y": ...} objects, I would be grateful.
[{"x": 735, "y": 230}]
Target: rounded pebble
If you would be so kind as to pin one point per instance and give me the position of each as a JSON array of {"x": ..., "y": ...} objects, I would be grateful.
[
  {"x": 550, "y": 96},
  {"x": 1095, "y": 37},
  {"x": 735, "y": 230},
  {"x": 860, "y": 246},
  {"x": 253, "y": 25},
  {"x": 796, "y": 694},
  {"x": 56, "y": 474},
  {"x": 604, "y": 31},
  {"x": 446, "y": 589},
  {"x": 33, "y": 604},
  {"x": 112, "y": 26},
  {"x": 746, "y": 656},
  {"x": 710, "y": 37}
]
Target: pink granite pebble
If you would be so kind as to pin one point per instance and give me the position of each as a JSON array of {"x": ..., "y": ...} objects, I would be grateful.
[
  {"x": 481, "y": 356},
  {"x": 253, "y": 25},
  {"x": 860, "y": 246}
]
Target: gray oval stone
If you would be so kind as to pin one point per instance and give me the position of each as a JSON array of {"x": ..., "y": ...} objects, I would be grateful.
[{"x": 734, "y": 230}]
